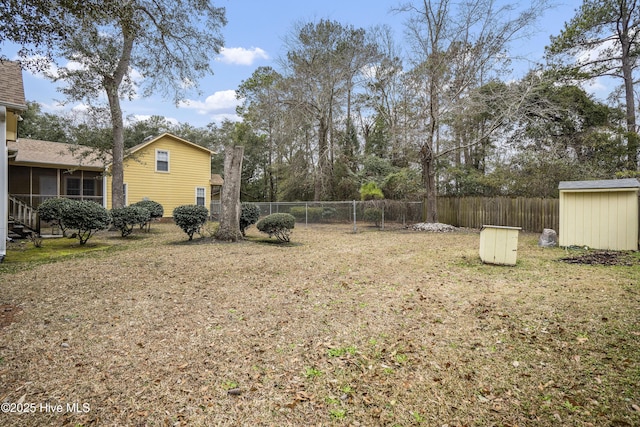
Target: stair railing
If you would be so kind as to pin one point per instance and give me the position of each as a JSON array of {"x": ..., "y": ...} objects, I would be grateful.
[{"x": 23, "y": 213}]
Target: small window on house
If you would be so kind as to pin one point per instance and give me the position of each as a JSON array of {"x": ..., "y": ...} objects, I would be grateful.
[
  {"x": 200, "y": 196},
  {"x": 162, "y": 161}
]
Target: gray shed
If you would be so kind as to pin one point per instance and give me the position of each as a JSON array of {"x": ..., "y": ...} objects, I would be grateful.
[{"x": 600, "y": 214}]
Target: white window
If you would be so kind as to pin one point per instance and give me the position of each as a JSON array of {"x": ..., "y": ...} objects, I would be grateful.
[
  {"x": 200, "y": 196},
  {"x": 162, "y": 161}
]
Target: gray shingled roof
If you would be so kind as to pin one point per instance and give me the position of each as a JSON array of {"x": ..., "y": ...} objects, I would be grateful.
[
  {"x": 36, "y": 152},
  {"x": 11, "y": 86},
  {"x": 603, "y": 184}
]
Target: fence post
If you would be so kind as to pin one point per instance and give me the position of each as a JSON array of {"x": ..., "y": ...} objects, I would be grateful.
[
  {"x": 382, "y": 228},
  {"x": 355, "y": 228},
  {"x": 306, "y": 215}
]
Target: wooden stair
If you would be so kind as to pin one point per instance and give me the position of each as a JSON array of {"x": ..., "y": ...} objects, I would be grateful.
[{"x": 23, "y": 219}]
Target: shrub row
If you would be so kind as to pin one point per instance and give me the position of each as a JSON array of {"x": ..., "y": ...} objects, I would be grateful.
[{"x": 87, "y": 217}]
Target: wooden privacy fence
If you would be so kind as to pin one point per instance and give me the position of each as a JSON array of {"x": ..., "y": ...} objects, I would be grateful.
[{"x": 532, "y": 214}]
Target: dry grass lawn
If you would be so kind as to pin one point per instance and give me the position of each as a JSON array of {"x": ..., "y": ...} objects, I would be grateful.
[{"x": 393, "y": 328}]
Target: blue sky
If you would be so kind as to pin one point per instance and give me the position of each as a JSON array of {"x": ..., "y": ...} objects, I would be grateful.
[{"x": 254, "y": 37}]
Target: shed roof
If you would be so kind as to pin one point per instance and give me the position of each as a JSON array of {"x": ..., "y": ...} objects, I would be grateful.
[
  {"x": 603, "y": 184},
  {"x": 216, "y": 180},
  {"x": 11, "y": 86},
  {"x": 36, "y": 152}
]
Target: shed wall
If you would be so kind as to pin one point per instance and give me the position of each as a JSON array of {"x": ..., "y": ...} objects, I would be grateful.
[{"x": 599, "y": 219}]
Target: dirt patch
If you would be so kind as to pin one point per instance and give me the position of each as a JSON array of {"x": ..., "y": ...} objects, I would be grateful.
[
  {"x": 603, "y": 258},
  {"x": 8, "y": 313}
]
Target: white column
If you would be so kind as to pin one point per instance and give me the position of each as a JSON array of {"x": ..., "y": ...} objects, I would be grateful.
[{"x": 4, "y": 184}]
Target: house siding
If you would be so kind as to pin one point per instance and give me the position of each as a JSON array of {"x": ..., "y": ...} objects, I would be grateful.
[{"x": 189, "y": 167}]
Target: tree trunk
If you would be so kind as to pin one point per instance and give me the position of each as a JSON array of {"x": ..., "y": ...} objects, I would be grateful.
[
  {"x": 322, "y": 174},
  {"x": 112, "y": 87},
  {"x": 229, "y": 230},
  {"x": 632, "y": 130},
  {"x": 117, "y": 151},
  {"x": 429, "y": 183}
]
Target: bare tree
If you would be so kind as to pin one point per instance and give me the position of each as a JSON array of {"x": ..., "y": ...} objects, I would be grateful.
[{"x": 456, "y": 46}]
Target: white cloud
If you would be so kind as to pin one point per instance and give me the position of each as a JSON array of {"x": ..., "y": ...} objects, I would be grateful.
[
  {"x": 142, "y": 117},
  {"x": 241, "y": 56},
  {"x": 221, "y": 100}
]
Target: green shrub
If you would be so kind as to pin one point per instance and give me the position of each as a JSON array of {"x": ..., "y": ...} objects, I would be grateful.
[
  {"x": 250, "y": 214},
  {"x": 51, "y": 211},
  {"x": 370, "y": 191},
  {"x": 124, "y": 219},
  {"x": 278, "y": 225},
  {"x": 155, "y": 209},
  {"x": 85, "y": 217},
  {"x": 373, "y": 215},
  {"x": 190, "y": 218}
]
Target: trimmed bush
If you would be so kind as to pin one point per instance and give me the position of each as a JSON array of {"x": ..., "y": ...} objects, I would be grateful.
[
  {"x": 249, "y": 215},
  {"x": 278, "y": 225},
  {"x": 155, "y": 209},
  {"x": 85, "y": 217},
  {"x": 190, "y": 218},
  {"x": 124, "y": 219},
  {"x": 51, "y": 211}
]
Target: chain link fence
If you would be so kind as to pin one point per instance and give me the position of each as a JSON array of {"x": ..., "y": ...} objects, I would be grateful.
[{"x": 376, "y": 213}]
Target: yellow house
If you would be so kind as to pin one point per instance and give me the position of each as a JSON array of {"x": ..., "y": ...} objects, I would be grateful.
[{"x": 168, "y": 170}]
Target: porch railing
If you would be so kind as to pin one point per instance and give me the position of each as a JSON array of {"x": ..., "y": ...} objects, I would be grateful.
[{"x": 23, "y": 214}]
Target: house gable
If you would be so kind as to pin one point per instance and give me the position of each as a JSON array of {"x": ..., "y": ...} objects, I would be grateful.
[{"x": 174, "y": 183}]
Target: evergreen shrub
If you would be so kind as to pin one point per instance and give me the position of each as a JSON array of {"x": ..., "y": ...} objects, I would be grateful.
[
  {"x": 85, "y": 217},
  {"x": 278, "y": 225},
  {"x": 190, "y": 218},
  {"x": 250, "y": 214},
  {"x": 124, "y": 219},
  {"x": 156, "y": 211},
  {"x": 51, "y": 211}
]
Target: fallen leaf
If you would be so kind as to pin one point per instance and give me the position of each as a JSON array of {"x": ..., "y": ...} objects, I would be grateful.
[
  {"x": 515, "y": 363},
  {"x": 234, "y": 391},
  {"x": 635, "y": 407}
]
